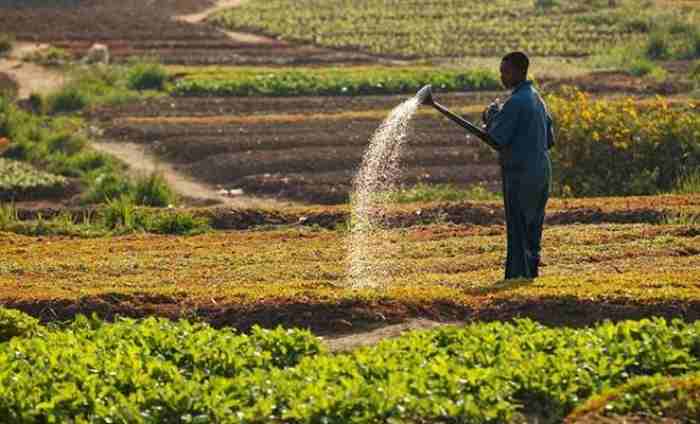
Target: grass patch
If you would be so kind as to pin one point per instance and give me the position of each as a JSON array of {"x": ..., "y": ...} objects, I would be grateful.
[
  {"x": 424, "y": 193},
  {"x": 117, "y": 217},
  {"x": 327, "y": 81},
  {"x": 49, "y": 56},
  {"x": 6, "y": 42},
  {"x": 688, "y": 184},
  {"x": 153, "y": 190},
  {"x": 146, "y": 76}
]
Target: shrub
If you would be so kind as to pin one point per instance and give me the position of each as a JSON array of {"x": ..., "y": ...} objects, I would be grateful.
[
  {"x": 68, "y": 99},
  {"x": 106, "y": 185},
  {"x": 153, "y": 190},
  {"x": 546, "y": 4},
  {"x": 688, "y": 184},
  {"x": 658, "y": 46},
  {"x": 14, "y": 323},
  {"x": 146, "y": 76},
  {"x": 68, "y": 143},
  {"x": 177, "y": 223},
  {"x": 50, "y": 56},
  {"x": 120, "y": 213},
  {"x": 643, "y": 149},
  {"x": 6, "y": 41},
  {"x": 8, "y": 86}
]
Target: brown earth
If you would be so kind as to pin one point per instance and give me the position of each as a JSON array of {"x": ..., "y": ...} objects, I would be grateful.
[
  {"x": 357, "y": 316},
  {"x": 265, "y": 147},
  {"x": 622, "y": 210}
]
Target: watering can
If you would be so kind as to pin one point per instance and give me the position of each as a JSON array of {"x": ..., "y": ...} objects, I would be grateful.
[{"x": 425, "y": 96}]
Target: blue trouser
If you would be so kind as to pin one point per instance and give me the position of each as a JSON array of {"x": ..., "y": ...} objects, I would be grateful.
[{"x": 525, "y": 196}]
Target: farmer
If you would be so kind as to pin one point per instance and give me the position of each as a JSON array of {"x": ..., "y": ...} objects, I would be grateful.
[{"x": 522, "y": 131}]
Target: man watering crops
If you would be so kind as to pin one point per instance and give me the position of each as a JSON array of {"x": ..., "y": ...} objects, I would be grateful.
[{"x": 521, "y": 131}]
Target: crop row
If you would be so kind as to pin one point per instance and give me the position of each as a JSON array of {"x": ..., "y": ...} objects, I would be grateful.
[
  {"x": 430, "y": 29},
  {"x": 157, "y": 371},
  {"x": 440, "y": 270},
  {"x": 327, "y": 81},
  {"x": 20, "y": 180}
]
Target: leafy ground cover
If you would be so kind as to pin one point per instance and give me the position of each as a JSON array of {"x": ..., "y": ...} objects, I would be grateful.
[
  {"x": 654, "y": 398},
  {"x": 19, "y": 180},
  {"x": 468, "y": 28},
  {"x": 345, "y": 81},
  {"x": 161, "y": 371},
  {"x": 297, "y": 276}
]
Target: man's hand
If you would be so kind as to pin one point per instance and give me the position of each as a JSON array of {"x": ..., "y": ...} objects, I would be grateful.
[{"x": 490, "y": 112}]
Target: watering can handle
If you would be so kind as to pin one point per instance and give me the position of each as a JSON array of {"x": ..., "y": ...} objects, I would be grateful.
[
  {"x": 425, "y": 97},
  {"x": 473, "y": 129}
]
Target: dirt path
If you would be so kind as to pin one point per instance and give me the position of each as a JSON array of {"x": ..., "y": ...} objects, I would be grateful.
[
  {"x": 30, "y": 77},
  {"x": 141, "y": 161},
  {"x": 199, "y": 17},
  {"x": 370, "y": 337}
]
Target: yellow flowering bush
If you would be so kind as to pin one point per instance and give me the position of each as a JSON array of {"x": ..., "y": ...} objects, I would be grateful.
[{"x": 621, "y": 147}]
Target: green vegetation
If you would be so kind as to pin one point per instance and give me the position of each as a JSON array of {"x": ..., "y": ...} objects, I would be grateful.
[
  {"x": 161, "y": 371},
  {"x": 688, "y": 184},
  {"x": 326, "y": 81},
  {"x": 20, "y": 181},
  {"x": 428, "y": 29},
  {"x": 146, "y": 76},
  {"x": 6, "y": 42},
  {"x": 16, "y": 324},
  {"x": 58, "y": 146},
  {"x": 676, "y": 398},
  {"x": 8, "y": 86},
  {"x": 424, "y": 193},
  {"x": 90, "y": 86},
  {"x": 153, "y": 190},
  {"x": 50, "y": 56},
  {"x": 119, "y": 216},
  {"x": 671, "y": 34},
  {"x": 645, "y": 148}
]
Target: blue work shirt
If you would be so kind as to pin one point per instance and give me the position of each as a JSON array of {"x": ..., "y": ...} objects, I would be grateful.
[{"x": 523, "y": 131}]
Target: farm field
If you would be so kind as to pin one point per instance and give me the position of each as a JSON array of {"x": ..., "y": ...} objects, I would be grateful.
[
  {"x": 458, "y": 28},
  {"x": 138, "y": 28},
  {"x": 296, "y": 276},
  {"x": 177, "y": 231}
]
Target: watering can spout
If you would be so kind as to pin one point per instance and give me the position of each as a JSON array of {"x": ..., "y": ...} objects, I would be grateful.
[{"x": 425, "y": 95}]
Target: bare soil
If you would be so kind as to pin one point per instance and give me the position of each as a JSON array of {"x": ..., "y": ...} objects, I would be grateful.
[
  {"x": 265, "y": 147},
  {"x": 29, "y": 78}
]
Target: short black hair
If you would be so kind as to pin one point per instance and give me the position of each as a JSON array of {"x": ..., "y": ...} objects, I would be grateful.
[{"x": 519, "y": 60}]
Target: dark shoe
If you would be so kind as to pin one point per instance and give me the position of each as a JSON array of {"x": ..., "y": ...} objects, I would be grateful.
[{"x": 535, "y": 268}]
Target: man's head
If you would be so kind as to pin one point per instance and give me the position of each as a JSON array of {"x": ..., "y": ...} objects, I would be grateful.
[{"x": 514, "y": 69}]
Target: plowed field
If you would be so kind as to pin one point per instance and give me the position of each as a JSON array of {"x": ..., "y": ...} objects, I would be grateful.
[{"x": 305, "y": 148}]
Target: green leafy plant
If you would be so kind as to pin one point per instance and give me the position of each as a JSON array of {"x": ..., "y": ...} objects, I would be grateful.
[
  {"x": 6, "y": 42},
  {"x": 68, "y": 99},
  {"x": 153, "y": 190},
  {"x": 328, "y": 81},
  {"x": 14, "y": 323},
  {"x": 146, "y": 76}
]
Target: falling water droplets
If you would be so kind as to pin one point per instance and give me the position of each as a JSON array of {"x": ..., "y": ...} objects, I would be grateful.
[{"x": 369, "y": 245}]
